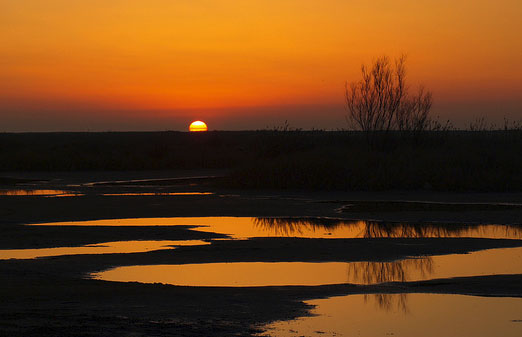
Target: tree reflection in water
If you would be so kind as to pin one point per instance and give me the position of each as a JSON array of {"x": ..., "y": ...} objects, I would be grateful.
[
  {"x": 396, "y": 271},
  {"x": 389, "y": 302},
  {"x": 383, "y": 272},
  {"x": 293, "y": 226},
  {"x": 381, "y": 229}
]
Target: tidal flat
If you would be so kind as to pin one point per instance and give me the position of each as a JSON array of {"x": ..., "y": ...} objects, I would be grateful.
[{"x": 379, "y": 237}]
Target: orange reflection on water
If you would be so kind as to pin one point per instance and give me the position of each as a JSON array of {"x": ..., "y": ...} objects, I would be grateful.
[
  {"x": 487, "y": 262},
  {"x": 236, "y": 227},
  {"x": 338, "y": 228},
  {"x": 484, "y": 262},
  {"x": 47, "y": 193},
  {"x": 156, "y": 193},
  {"x": 389, "y": 302},
  {"x": 238, "y": 274},
  {"x": 117, "y": 247},
  {"x": 316, "y": 228},
  {"x": 395, "y": 271},
  {"x": 428, "y": 315}
]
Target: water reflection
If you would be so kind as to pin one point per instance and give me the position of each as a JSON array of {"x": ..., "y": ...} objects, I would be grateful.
[
  {"x": 389, "y": 302},
  {"x": 428, "y": 315},
  {"x": 484, "y": 262},
  {"x": 117, "y": 247},
  {"x": 156, "y": 194},
  {"x": 337, "y": 228},
  {"x": 45, "y": 193},
  {"x": 236, "y": 274},
  {"x": 487, "y": 262},
  {"x": 314, "y": 228},
  {"x": 396, "y": 271}
]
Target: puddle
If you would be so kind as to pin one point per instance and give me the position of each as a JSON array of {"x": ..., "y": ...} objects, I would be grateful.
[
  {"x": 496, "y": 261},
  {"x": 245, "y": 227},
  {"x": 45, "y": 193},
  {"x": 256, "y": 274},
  {"x": 117, "y": 247},
  {"x": 429, "y": 315},
  {"x": 156, "y": 194},
  {"x": 240, "y": 274}
]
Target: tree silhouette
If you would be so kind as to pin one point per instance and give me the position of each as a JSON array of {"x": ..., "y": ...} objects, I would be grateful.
[{"x": 381, "y": 100}]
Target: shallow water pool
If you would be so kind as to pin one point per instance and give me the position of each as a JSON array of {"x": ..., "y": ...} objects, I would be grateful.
[
  {"x": 427, "y": 315},
  {"x": 257, "y": 274},
  {"x": 116, "y": 247},
  {"x": 315, "y": 228},
  {"x": 42, "y": 193}
]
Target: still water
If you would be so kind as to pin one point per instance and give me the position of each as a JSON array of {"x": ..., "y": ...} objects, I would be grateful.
[
  {"x": 427, "y": 315},
  {"x": 44, "y": 193},
  {"x": 354, "y": 315},
  {"x": 316, "y": 228},
  {"x": 117, "y": 247},
  {"x": 257, "y": 274},
  {"x": 126, "y": 194}
]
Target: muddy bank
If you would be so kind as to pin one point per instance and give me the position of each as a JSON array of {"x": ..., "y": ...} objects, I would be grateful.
[
  {"x": 27, "y": 237},
  {"x": 413, "y": 206},
  {"x": 34, "y": 209},
  {"x": 263, "y": 250},
  {"x": 69, "y": 307},
  {"x": 48, "y": 297}
]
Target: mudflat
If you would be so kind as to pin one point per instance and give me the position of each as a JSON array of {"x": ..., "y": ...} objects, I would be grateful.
[{"x": 52, "y": 296}]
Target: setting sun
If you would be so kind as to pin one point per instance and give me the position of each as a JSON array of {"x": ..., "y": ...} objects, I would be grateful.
[{"x": 198, "y": 126}]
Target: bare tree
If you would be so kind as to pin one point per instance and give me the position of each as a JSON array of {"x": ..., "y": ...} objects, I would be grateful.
[
  {"x": 413, "y": 113},
  {"x": 380, "y": 101}
]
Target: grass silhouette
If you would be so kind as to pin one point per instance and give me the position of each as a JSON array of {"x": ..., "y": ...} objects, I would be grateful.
[{"x": 449, "y": 160}]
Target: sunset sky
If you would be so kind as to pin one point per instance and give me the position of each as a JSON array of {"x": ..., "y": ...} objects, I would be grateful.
[{"x": 160, "y": 64}]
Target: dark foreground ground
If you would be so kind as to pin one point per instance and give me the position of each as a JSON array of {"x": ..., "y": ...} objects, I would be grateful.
[{"x": 50, "y": 297}]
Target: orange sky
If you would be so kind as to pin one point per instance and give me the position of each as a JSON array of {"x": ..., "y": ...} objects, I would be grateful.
[{"x": 158, "y": 64}]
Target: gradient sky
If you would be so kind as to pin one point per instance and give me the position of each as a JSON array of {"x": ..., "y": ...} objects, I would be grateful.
[{"x": 159, "y": 64}]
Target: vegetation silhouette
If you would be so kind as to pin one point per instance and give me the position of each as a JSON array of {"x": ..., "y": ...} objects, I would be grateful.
[
  {"x": 381, "y": 101},
  {"x": 287, "y": 158}
]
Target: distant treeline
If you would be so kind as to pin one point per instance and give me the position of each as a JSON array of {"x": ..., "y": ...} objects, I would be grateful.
[{"x": 288, "y": 159}]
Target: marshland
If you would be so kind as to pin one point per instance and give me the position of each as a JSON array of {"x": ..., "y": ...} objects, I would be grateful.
[{"x": 250, "y": 233}]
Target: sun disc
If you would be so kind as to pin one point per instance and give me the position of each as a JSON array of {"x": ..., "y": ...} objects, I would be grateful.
[{"x": 198, "y": 126}]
